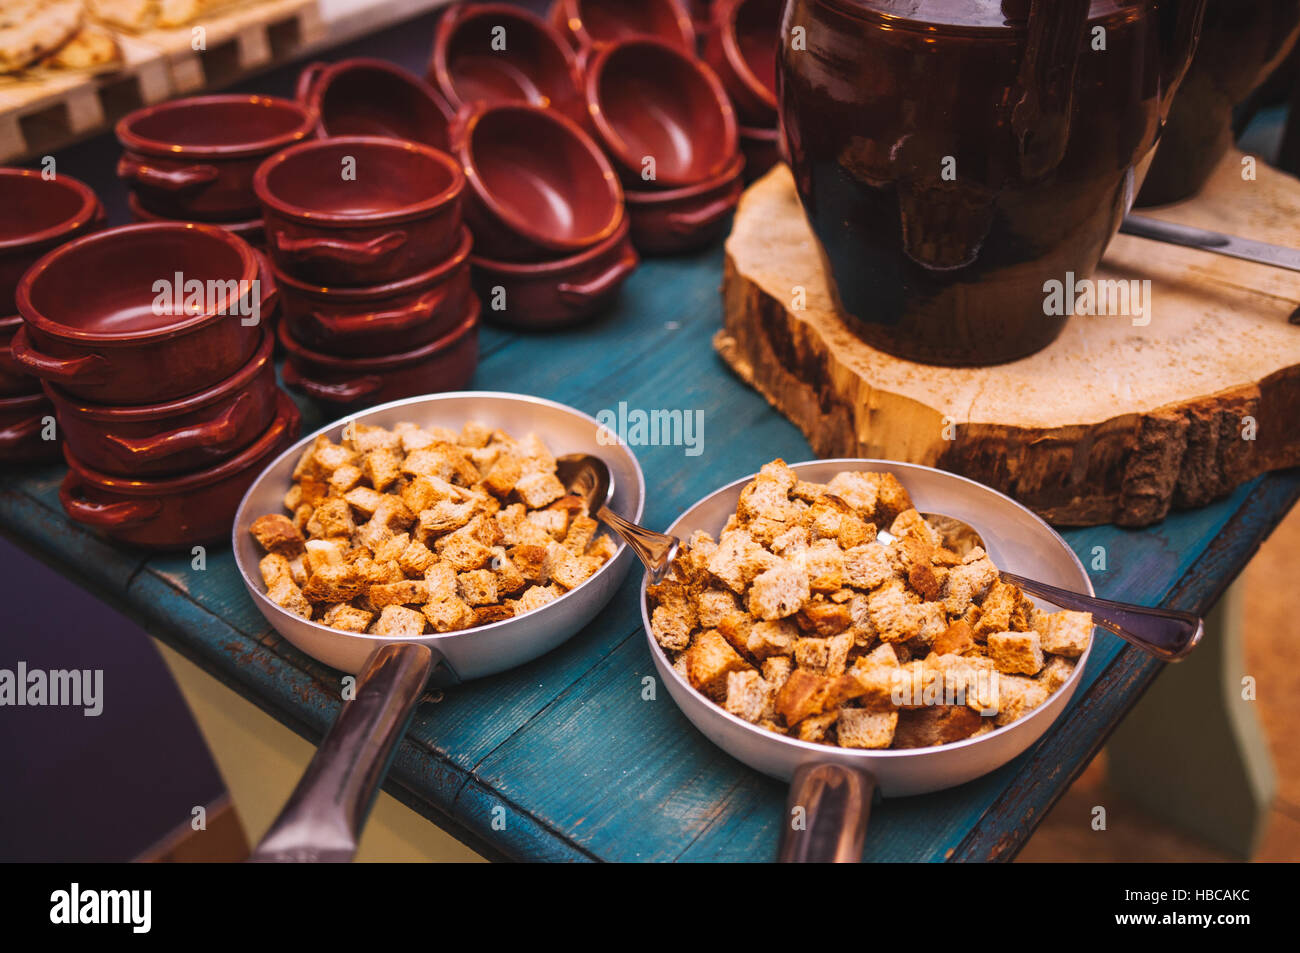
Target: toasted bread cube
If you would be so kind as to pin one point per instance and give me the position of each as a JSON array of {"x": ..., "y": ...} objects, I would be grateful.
[
  {"x": 463, "y": 551},
  {"x": 375, "y": 534},
  {"x": 345, "y": 478},
  {"x": 891, "y": 498},
  {"x": 408, "y": 592},
  {"x": 774, "y": 638},
  {"x": 713, "y": 605},
  {"x": 804, "y": 694},
  {"x": 277, "y": 534},
  {"x": 324, "y": 552},
  {"x": 445, "y": 516},
  {"x": 862, "y": 728},
  {"x": 381, "y": 468},
  {"x": 364, "y": 500},
  {"x": 392, "y": 549},
  {"x": 530, "y": 560},
  {"x": 400, "y": 623},
  {"x": 534, "y": 597},
  {"x": 738, "y": 559},
  {"x": 709, "y": 660},
  {"x": 935, "y": 725},
  {"x": 823, "y": 656},
  {"x": 307, "y": 466},
  {"x": 867, "y": 566},
  {"x": 824, "y": 619},
  {"x": 1016, "y": 653},
  {"x": 478, "y": 587},
  {"x": 510, "y": 581},
  {"x": 894, "y": 612},
  {"x": 735, "y": 628},
  {"x": 776, "y": 670},
  {"x": 970, "y": 582},
  {"x": 779, "y": 592},
  {"x": 331, "y": 518},
  {"x": 859, "y": 490},
  {"x": 1017, "y": 697},
  {"x": 957, "y": 639},
  {"x": 582, "y": 530},
  {"x": 364, "y": 439},
  {"x": 288, "y": 596},
  {"x": 1004, "y": 609},
  {"x": 423, "y": 492},
  {"x": 443, "y": 460},
  {"x": 440, "y": 578},
  {"x": 817, "y": 727},
  {"x": 883, "y": 654},
  {"x": 504, "y": 475},
  {"x": 1056, "y": 673},
  {"x": 674, "y": 617},
  {"x": 566, "y": 569},
  {"x": 603, "y": 547},
  {"x": 273, "y": 568},
  {"x": 749, "y": 696},
  {"x": 554, "y": 522},
  {"x": 486, "y": 615},
  {"x": 346, "y": 617},
  {"x": 293, "y": 499},
  {"x": 448, "y": 614},
  {"x": 335, "y": 583},
  {"x": 518, "y": 530},
  {"x": 1065, "y": 633},
  {"x": 416, "y": 559}
]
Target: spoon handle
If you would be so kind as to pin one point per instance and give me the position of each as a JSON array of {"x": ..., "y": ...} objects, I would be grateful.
[
  {"x": 1246, "y": 249},
  {"x": 1165, "y": 633},
  {"x": 656, "y": 550}
]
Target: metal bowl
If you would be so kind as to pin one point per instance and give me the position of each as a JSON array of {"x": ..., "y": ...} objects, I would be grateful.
[
  {"x": 1017, "y": 540},
  {"x": 484, "y": 650}
]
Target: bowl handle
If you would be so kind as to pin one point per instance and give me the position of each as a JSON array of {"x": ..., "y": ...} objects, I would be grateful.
[
  {"x": 613, "y": 276},
  {"x": 182, "y": 179},
  {"x": 398, "y": 319},
  {"x": 338, "y": 250},
  {"x": 826, "y": 815},
  {"x": 61, "y": 369},
  {"x": 104, "y": 515},
  {"x": 306, "y": 80},
  {"x": 21, "y": 432},
  {"x": 345, "y": 392},
  {"x": 684, "y": 223},
  {"x": 219, "y": 430},
  {"x": 328, "y": 808}
]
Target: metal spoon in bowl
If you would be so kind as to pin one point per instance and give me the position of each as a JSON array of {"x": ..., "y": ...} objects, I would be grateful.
[
  {"x": 1166, "y": 633},
  {"x": 589, "y": 477}
]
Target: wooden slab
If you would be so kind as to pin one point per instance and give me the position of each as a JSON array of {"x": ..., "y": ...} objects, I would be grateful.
[{"x": 1112, "y": 423}]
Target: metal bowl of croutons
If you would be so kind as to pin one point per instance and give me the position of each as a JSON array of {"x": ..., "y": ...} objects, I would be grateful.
[
  {"x": 786, "y": 628},
  {"x": 436, "y": 520}
]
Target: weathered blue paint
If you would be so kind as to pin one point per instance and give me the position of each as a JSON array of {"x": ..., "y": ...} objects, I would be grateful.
[{"x": 565, "y": 752}]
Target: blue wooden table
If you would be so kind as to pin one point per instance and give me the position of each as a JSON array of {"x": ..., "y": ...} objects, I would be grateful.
[{"x": 584, "y": 768}]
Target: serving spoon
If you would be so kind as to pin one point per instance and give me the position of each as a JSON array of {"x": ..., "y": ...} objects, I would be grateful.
[{"x": 1167, "y": 634}]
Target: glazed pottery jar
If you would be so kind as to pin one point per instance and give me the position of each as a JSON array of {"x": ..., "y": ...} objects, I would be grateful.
[
  {"x": 1242, "y": 43},
  {"x": 956, "y": 156}
]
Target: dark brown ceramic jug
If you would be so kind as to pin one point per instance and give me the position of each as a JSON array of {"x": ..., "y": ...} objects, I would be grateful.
[
  {"x": 1242, "y": 43},
  {"x": 956, "y": 156}
]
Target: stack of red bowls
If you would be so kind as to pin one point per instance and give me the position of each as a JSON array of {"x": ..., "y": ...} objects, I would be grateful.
[
  {"x": 667, "y": 123},
  {"x": 741, "y": 45},
  {"x": 371, "y": 259},
  {"x": 37, "y": 213},
  {"x": 151, "y": 346},
  {"x": 592, "y": 23},
  {"x": 192, "y": 160}
]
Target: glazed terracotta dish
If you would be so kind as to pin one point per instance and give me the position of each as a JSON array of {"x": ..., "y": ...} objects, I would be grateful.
[
  {"x": 741, "y": 48},
  {"x": 680, "y": 220},
  {"x": 37, "y": 214},
  {"x": 590, "y": 23},
  {"x": 368, "y": 97}
]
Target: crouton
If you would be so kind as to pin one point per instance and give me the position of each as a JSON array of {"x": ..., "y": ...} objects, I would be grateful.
[
  {"x": 463, "y": 551},
  {"x": 486, "y": 615},
  {"x": 381, "y": 468},
  {"x": 477, "y": 587},
  {"x": 273, "y": 568},
  {"x": 708, "y": 662},
  {"x": 749, "y": 696},
  {"x": 400, "y": 623},
  {"x": 803, "y": 694},
  {"x": 1016, "y": 653},
  {"x": 776, "y": 670},
  {"x": 712, "y": 605},
  {"x": 779, "y": 592},
  {"x": 416, "y": 558},
  {"x": 935, "y": 725},
  {"x": 1017, "y": 697},
  {"x": 1065, "y": 633},
  {"x": 824, "y": 618},
  {"x": 408, "y": 592},
  {"x": 767, "y": 639},
  {"x": 530, "y": 561},
  {"x": 861, "y": 728},
  {"x": 738, "y": 559},
  {"x": 956, "y": 639},
  {"x": 277, "y": 534},
  {"x": 1055, "y": 673},
  {"x": 504, "y": 475},
  {"x": 538, "y": 489},
  {"x": 335, "y": 583},
  {"x": 582, "y": 530},
  {"x": 535, "y": 597},
  {"x": 817, "y": 727},
  {"x": 867, "y": 566},
  {"x": 287, "y": 595},
  {"x": 346, "y": 617},
  {"x": 364, "y": 500},
  {"x": 448, "y": 614},
  {"x": 331, "y": 518},
  {"x": 1004, "y": 609}
]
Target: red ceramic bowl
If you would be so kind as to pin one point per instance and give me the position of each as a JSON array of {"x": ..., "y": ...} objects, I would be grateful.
[
  {"x": 667, "y": 223},
  {"x": 380, "y": 319},
  {"x": 590, "y": 23},
  {"x": 366, "y": 97},
  {"x": 197, "y": 508},
  {"x": 22, "y": 426},
  {"x": 761, "y": 149},
  {"x": 650, "y": 101},
  {"x": 14, "y": 381},
  {"x": 194, "y": 159},
  {"x": 741, "y": 47},
  {"x": 36, "y": 214},
  {"x": 536, "y": 65},
  {"x": 101, "y": 319},
  {"x": 251, "y": 230},
  {"x": 398, "y": 216},
  {"x": 187, "y": 434},
  {"x": 558, "y": 293},
  {"x": 353, "y": 383},
  {"x": 539, "y": 187}
]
